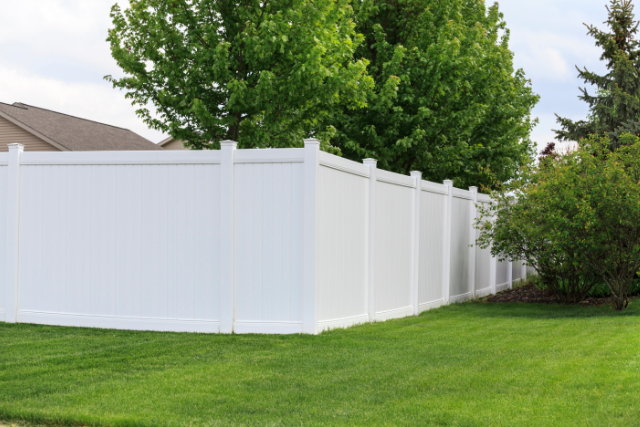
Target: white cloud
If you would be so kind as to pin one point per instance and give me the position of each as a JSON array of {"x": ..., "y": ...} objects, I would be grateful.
[
  {"x": 53, "y": 54},
  {"x": 92, "y": 101},
  {"x": 73, "y": 30}
]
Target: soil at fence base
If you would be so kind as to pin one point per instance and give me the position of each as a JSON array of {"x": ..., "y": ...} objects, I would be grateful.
[{"x": 529, "y": 293}]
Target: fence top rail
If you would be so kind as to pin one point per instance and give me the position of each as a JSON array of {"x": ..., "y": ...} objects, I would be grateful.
[
  {"x": 395, "y": 178},
  {"x": 167, "y": 157},
  {"x": 484, "y": 198},
  {"x": 434, "y": 187},
  {"x": 462, "y": 194},
  {"x": 335, "y": 162},
  {"x": 280, "y": 155}
]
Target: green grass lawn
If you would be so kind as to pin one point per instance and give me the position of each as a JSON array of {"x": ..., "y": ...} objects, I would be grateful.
[{"x": 473, "y": 364}]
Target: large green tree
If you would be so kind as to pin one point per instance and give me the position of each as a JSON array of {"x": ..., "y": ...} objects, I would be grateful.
[
  {"x": 263, "y": 73},
  {"x": 447, "y": 100},
  {"x": 614, "y": 109}
]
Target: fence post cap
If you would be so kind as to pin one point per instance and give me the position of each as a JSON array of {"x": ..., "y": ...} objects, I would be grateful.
[
  {"x": 448, "y": 182},
  {"x": 312, "y": 142},
  {"x": 473, "y": 189},
  {"x": 416, "y": 174},
  {"x": 15, "y": 146},
  {"x": 228, "y": 143},
  {"x": 370, "y": 162}
]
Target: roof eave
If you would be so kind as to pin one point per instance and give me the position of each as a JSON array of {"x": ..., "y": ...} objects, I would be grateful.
[
  {"x": 33, "y": 131},
  {"x": 165, "y": 141}
]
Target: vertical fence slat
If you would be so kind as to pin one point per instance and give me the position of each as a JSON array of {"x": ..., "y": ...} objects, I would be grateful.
[
  {"x": 310, "y": 235},
  {"x": 13, "y": 234},
  {"x": 227, "y": 237},
  {"x": 472, "y": 241},
  {"x": 415, "y": 236},
  {"x": 510, "y": 274},
  {"x": 446, "y": 292},
  {"x": 370, "y": 297}
]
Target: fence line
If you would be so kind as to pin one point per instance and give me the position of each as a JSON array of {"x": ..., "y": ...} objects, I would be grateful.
[{"x": 265, "y": 241}]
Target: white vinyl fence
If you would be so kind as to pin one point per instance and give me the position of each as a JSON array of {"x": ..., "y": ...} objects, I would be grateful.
[{"x": 267, "y": 241}]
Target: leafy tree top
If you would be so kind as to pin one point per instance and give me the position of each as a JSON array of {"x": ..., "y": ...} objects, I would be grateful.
[
  {"x": 261, "y": 73},
  {"x": 447, "y": 100}
]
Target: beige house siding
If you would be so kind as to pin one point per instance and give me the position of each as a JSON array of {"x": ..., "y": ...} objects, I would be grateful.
[
  {"x": 175, "y": 144},
  {"x": 11, "y": 133}
]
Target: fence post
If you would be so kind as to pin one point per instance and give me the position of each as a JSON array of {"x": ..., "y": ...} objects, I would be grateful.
[
  {"x": 447, "y": 241},
  {"x": 227, "y": 236},
  {"x": 523, "y": 272},
  {"x": 370, "y": 301},
  {"x": 310, "y": 233},
  {"x": 415, "y": 259},
  {"x": 510, "y": 274},
  {"x": 493, "y": 265},
  {"x": 13, "y": 232},
  {"x": 472, "y": 243}
]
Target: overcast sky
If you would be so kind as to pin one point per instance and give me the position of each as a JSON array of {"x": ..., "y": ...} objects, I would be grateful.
[{"x": 53, "y": 55}]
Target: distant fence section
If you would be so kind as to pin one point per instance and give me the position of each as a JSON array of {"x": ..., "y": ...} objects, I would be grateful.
[{"x": 246, "y": 241}]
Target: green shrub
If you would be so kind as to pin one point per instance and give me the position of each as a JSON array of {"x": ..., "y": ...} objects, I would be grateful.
[{"x": 575, "y": 218}]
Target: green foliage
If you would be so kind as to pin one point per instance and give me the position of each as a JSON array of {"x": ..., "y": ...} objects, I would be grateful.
[
  {"x": 575, "y": 218},
  {"x": 446, "y": 101},
  {"x": 522, "y": 224},
  {"x": 601, "y": 290},
  {"x": 615, "y": 107},
  {"x": 261, "y": 73}
]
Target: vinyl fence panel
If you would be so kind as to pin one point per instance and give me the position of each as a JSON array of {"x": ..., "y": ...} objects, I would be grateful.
[
  {"x": 483, "y": 285},
  {"x": 342, "y": 242},
  {"x": 266, "y": 241},
  {"x": 502, "y": 275},
  {"x": 393, "y": 245},
  {"x": 432, "y": 242},
  {"x": 460, "y": 289},
  {"x": 269, "y": 243},
  {"x": 517, "y": 270},
  {"x": 122, "y": 244}
]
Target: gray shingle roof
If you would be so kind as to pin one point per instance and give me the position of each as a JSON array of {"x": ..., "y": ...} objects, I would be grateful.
[{"x": 74, "y": 133}]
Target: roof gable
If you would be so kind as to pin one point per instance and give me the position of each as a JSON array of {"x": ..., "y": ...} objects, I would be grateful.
[{"x": 69, "y": 133}]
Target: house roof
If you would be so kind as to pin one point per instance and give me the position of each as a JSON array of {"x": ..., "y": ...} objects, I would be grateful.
[
  {"x": 69, "y": 133},
  {"x": 165, "y": 141}
]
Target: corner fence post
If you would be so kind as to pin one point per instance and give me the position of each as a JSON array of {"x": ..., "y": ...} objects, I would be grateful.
[
  {"x": 227, "y": 236},
  {"x": 472, "y": 241},
  {"x": 13, "y": 232},
  {"x": 447, "y": 242},
  {"x": 370, "y": 300},
  {"x": 310, "y": 235},
  {"x": 415, "y": 258}
]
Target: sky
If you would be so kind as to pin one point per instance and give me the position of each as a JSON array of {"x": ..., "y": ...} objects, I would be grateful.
[{"x": 53, "y": 54}]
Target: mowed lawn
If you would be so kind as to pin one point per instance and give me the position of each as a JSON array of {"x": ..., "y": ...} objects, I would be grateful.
[{"x": 472, "y": 364}]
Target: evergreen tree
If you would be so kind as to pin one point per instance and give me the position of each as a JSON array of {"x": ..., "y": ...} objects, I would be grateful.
[{"x": 615, "y": 107}]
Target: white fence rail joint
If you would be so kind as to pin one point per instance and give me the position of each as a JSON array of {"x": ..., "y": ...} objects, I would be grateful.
[{"x": 247, "y": 241}]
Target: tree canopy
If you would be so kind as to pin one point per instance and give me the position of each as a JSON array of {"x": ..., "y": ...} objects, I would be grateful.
[
  {"x": 261, "y": 73},
  {"x": 614, "y": 109},
  {"x": 447, "y": 100},
  {"x": 417, "y": 84}
]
